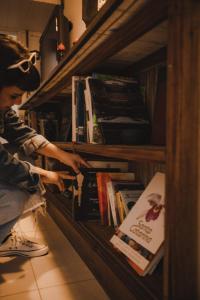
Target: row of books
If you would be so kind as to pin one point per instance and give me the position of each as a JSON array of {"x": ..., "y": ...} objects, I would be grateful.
[
  {"x": 137, "y": 213},
  {"x": 117, "y": 193},
  {"x": 109, "y": 193},
  {"x": 50, "y": 125},
  {"x": 108, "y": 111}
]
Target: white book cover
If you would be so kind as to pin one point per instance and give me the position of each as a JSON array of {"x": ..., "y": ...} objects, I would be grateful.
[
  {"x": 74, "y": 78},
  {"x": 145, "y": 222},
  {"x": 74, "y": 107},
  {"x": 88, "y": 105},
  {"x": 140, "y": 237},
  {"x": 113, "y": 203}
]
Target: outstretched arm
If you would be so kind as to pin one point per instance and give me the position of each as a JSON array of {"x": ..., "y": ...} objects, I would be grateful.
[{"x": 70, "y": 159}]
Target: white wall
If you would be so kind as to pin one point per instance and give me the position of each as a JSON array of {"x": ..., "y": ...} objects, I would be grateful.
[{"x": 73, "y": 11}]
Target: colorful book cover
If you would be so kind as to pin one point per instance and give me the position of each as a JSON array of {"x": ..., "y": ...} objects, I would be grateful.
[
  {"x": 102, "y": 180},
  {"x": 128, "y": 198},
  {"x": 141, "y": 234}
]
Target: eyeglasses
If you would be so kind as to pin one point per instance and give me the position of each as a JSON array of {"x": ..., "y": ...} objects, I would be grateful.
[{"x": 25, "y": 64}]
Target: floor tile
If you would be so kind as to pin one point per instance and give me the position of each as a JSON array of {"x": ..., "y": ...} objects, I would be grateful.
[
  {"x": 54, "y": 269},
  {"x": 33, "y": 295},
  {"x": 85, "y": 290},
  {"x": 61, "y": 274},
  {"x": 16, "y": 275}
]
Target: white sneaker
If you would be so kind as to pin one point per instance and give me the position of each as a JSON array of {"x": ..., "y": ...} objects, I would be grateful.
[{"x": 18, "y": 245}]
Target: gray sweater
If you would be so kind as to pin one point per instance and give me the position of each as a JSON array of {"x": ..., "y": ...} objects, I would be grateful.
[{"x": 12, "y": 170}]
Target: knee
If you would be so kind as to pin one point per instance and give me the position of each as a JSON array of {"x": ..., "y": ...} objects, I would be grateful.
[{"x": 12, "y": 201}]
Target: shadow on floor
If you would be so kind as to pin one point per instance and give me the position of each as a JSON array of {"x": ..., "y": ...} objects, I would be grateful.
[{"x": 13, "y": 265}]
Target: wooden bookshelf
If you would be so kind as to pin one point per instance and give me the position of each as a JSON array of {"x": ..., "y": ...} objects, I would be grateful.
[
  {"x": 116, "y": 28},
  {"x": 125, "y": 37},
  {"x": 96, "y": 250},
  {"x": 140, "y": 153}
]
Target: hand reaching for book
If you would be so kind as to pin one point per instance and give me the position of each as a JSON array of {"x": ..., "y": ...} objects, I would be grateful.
[
  {"x": 73, "y": 160},
  {"x": 70, "y": 159},
  {"x": 56, "y": 178}
]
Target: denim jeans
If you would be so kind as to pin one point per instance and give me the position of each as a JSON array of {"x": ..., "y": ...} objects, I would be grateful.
[
  {"x": 6, "y": 228},
  {"x": 16, "y": 203},
  {"x": 12, "y": 201}
]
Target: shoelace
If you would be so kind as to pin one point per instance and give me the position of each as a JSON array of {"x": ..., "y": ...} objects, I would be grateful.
[{"x": 17, "y": 240}]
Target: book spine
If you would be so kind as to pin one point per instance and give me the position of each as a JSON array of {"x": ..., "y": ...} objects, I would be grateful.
[
  {"x": 112, "y": 200},
  {"x": 102, "y": 195},
  {"x": 74, "y": 79}
]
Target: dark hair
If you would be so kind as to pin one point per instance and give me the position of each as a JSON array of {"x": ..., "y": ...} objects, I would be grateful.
[{"x": 11, "y": 52}]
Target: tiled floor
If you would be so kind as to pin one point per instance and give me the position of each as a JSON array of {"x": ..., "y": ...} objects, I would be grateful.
[{"x": 60, "y": 275}]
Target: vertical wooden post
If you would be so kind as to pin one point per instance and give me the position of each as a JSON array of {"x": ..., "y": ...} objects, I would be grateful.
[{"x": 183, "y": 151}]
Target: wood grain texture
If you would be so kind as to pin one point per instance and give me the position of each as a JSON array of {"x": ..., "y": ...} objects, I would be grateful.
[
  {"x": 182, "y": 151},
  {"x": 91, "y": 241},
  {"x": 142, "y": 153},
  {"x": 144, "y": 16}
]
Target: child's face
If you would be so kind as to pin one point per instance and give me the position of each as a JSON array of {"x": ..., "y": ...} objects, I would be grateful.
[{"x": 9, "y": 96}]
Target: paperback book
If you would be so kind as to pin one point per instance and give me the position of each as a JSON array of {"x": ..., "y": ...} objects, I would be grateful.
[
  {"x": 141, "y": 235},
  {"x": 78, "y": 110}
]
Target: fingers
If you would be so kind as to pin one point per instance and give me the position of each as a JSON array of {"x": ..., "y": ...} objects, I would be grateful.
[
  {"x": 61, "y": 185},
  {"x": 75, "y": 167},
  {"x": 65, "y": 175},
  {"x": 76, "y": 164},
  {"x": 85, "y": 163}
]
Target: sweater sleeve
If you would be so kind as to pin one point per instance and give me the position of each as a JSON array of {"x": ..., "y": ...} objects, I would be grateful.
[
  {"x": 17, "y": 132},
  {"x": 16, "y": 172}
]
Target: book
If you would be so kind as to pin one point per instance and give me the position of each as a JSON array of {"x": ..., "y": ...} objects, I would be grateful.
[
  {"x": 113, "y": 180},
  {"x": 78, "y": 110},
  {"x": 115, "y": 112},
  {"x": 126, "y": 195},
  {"x": 49, "y": 128},
  {"x": 128, "y": 198},
  {"x": 65, "y": 132},
  {"x": 85, "y": 194},
  {"x": 141, "y": 235}
]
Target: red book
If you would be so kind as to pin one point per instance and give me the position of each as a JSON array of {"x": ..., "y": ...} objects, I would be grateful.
[{"x": 102, "y": 179}]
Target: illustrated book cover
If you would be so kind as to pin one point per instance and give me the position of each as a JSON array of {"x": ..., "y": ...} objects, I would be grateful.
[{"x": 141, "y": 235}]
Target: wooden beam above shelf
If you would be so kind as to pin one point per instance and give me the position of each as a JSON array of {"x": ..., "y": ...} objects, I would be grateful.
[
  {"x": 141, "y": 153},
  {"x": 119, "y": 23}
]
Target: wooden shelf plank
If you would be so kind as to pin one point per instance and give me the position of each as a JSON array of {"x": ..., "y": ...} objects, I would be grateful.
[
  {"x": 91, "y": 240},
  {"x": 116, "y": 26},
  {"x": 141, "y": 153}
]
